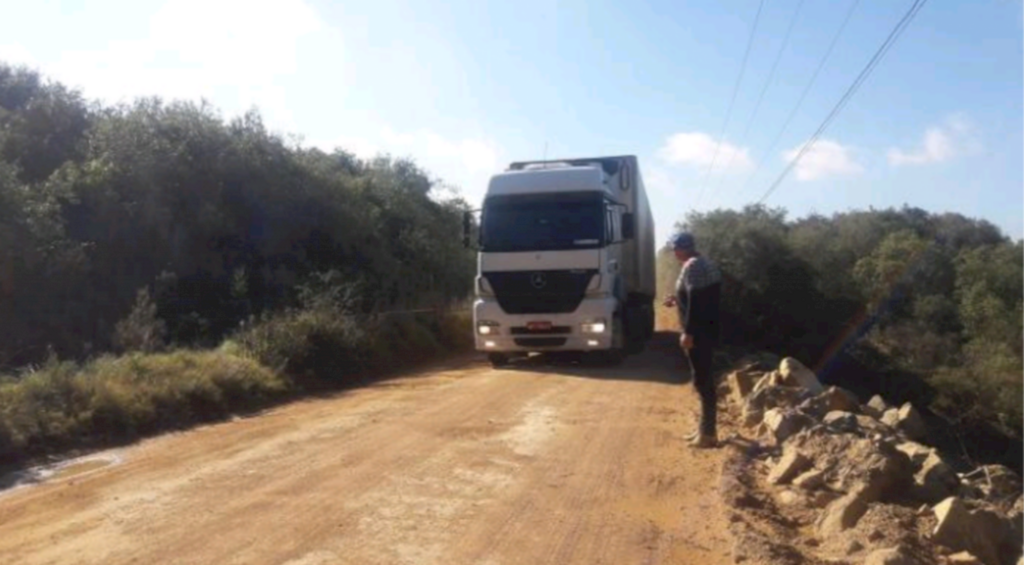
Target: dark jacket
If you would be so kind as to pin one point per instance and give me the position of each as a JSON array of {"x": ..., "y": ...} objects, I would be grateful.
[{"x": 699, "y": 295}]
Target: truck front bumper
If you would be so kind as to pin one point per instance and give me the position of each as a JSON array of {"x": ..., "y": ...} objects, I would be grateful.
[{"x": 510, "y": 335}]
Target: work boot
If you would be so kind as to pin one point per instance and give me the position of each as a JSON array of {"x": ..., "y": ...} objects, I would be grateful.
[{"x": 702, "y": 441}]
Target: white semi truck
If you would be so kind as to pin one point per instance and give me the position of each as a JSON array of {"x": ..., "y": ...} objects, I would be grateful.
[{"x": 566, "y": 260}]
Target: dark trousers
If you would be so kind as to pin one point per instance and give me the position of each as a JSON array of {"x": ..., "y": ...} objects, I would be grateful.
[{"x": 700, "y": 358}]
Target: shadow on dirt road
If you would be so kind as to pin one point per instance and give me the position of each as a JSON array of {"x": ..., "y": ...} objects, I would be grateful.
[{"x": 661, "y": 361}]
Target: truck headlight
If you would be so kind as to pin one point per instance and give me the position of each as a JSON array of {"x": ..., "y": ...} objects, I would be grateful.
[
  {"x": 594, "y": 326},
  {"x": 487, "y": 328}
]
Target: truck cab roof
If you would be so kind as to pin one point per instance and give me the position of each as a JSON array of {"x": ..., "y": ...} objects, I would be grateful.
[{"x": 555, "y": 177}]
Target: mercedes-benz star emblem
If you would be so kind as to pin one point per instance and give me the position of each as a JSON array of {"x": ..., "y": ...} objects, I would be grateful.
[{"x": 538, "y": 280}]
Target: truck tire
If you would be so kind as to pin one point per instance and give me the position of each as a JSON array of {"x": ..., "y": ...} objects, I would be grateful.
[
  {"x": 635, "y": 332},
  {"x": 638, "y": 330},
  {"x": 618, "y": 351},
  {"x": 497, "y": 360}
]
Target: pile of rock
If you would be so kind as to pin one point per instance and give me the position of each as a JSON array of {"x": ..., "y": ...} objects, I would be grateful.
[{"x": 835, "y": 459}]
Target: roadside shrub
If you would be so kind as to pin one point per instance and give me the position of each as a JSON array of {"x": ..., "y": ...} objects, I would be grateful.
[
  {"x": 62, "y": 405},
  {"x": 141, "y": 330},
  {"x": 455, "y": 330},
  {"x": 306, "y": 343},
  {"x": 328, "y": 344}
]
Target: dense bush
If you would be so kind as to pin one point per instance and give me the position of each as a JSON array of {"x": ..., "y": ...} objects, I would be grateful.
[
  {"x": 922, "y": 307},
  {"x": 159, "y": 226},
  {"x": 217, "y": 220}
]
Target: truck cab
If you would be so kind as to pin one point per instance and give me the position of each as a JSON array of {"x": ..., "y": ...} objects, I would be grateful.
[{"x": 566, "y": 260}]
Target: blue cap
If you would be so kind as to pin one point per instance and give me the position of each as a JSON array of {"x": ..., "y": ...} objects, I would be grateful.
[{"x": 683, "y": 241}]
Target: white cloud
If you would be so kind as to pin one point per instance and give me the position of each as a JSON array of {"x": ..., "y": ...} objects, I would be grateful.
[
  {"x": 698, "y": 149},
  {"x": 667, "y": 194},
  {"x": 940, "y": 143},
  {"x": 13, "y": 54},
  {"x": 825, "y": 158},
  {"x": 236, "y": 52}
]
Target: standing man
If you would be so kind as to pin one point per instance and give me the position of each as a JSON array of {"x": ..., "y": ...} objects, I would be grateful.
[{"x": 698, "y": 292}]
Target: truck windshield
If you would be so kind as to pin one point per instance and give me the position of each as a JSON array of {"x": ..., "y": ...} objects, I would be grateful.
[{"x": 543, "y": 222}]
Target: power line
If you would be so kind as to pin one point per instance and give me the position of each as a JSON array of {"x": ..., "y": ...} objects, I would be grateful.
[
  {"x": 803, "y": 95},
  {"x": 886, "y": 45},
  {"x": 764, "y": 89},
  {"x": 732, "y": 100}
]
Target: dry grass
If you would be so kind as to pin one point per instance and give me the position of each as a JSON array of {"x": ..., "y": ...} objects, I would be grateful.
[{"x": 62, "y": 406}]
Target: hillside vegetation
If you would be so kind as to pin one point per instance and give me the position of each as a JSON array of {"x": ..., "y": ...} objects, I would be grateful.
[
  {"x": 227, "y": 265},
  {"x": 917, "y": 306},
  {"x": 156, "y": 230}
]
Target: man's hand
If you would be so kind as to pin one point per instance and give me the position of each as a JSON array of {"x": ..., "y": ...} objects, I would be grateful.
[
  {"x": 670, "y": 301},
  {"x": 685, "y": 341}
]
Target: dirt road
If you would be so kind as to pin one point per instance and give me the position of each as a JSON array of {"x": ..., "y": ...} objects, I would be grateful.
[{"x": 467, "y": 464}]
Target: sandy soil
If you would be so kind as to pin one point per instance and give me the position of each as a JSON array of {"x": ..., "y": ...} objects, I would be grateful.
[{"x": 462, "y": 464}]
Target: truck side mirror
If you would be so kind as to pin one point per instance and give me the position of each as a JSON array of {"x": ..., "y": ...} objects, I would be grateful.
[
  {"x": 628, "y": 226},
  {"x": 467, "y": 227}
]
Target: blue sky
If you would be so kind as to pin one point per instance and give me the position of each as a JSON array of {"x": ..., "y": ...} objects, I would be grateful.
[{"x": 465, "y": 87}]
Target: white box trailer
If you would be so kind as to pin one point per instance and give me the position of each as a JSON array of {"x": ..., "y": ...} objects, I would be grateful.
[{"x": 566, "y": 260}]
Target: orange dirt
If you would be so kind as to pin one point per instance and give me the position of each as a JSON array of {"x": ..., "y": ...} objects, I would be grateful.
[{"x": 532, "y": 464}]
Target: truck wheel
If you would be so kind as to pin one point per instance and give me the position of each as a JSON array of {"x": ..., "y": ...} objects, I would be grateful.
[
  {"x": 497, "y": 359},
  {"x": 635, "y": 330}
]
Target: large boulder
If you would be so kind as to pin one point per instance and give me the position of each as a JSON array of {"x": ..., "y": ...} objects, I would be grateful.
[
  {"x": 741, "y": 384},
  {"x": 890, "y": 556},
  {"x": 831, "y": 399},
  {"x": 871, "y": 425},
  {"x": 891, "y": 417},
  {"x": 783, "y": 423},
  {"x": 768, "y": 380},
  {"x": 935, "y": 480},
  {"x": 794, "y": 373},
  {"x": 981, "y": 532},
  {"x": 875, "y": 464},
  {"x": 910, "y": 422},
  {"x": 771, "y": 396},
  {"x": 840, "y": 399},
  {"x": 915, "y": 451},
  {"x": 843, "y": 513},
  {"x": 876, "y": 407},
  {"x": 789, "y": 466},
  {"x": 842, "y": 421}
]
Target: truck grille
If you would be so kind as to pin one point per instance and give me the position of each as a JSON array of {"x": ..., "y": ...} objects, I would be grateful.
[
  {"x": 540, "y": 292},
  {"x": 540, "y": 341}
]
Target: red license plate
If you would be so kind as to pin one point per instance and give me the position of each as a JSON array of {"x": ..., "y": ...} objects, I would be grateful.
[{"x": 538, "y": 326}]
